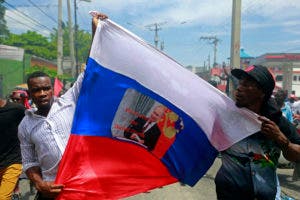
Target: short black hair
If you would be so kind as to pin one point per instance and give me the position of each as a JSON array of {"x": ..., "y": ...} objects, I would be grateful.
[{"x": 35, "y": 75}]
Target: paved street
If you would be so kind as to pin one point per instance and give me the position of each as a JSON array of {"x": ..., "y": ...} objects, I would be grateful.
[
  {"x": 288, "y": 186},
  {"x": 204, "y": 189}
]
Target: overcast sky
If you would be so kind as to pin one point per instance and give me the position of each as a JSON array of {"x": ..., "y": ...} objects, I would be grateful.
[{"x": 268, "y": 26}]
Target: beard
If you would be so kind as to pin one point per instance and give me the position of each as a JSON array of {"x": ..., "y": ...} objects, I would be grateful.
[
  {"x": 238, "y": 104},
  {"x": 45, "y": 106}
]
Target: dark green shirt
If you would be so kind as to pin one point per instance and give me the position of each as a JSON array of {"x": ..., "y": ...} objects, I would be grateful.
[{"x": 248, "y": 168}]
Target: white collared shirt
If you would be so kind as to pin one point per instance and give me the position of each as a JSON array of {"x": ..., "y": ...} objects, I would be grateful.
[{"x": 43, "y": 139}]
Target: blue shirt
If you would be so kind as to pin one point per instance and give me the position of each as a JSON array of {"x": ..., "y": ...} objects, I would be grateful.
[{"x": 287, "y": 112}]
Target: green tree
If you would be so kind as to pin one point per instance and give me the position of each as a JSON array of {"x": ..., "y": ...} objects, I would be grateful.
[
  {"x": 83, "y": 44},
  {"x": 3, "y": 28},
  {"x": 33, "y": 43},
  {"x": 39, "y": 45},
  {"x": 84, "y": 39},
  {"x": 51, "y": 72}
]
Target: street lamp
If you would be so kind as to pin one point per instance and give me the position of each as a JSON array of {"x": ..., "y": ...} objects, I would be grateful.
[{"x": 76, "y": 35}]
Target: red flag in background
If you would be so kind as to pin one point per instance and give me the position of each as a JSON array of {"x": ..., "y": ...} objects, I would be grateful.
[{"x": 58, "y": 85}]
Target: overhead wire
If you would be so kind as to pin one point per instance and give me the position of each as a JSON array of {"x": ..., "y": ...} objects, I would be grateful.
[
  {"x": 83, "y": 19},
  {"x": 28, "y": 26},
  {"x": 244, "y": 11},
  {"x": 36, "y": 6},
  {"x": 80, "y": 16},
  {"x": 27, "y": 16}
]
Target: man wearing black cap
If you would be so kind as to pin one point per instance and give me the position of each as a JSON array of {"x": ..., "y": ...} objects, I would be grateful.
[{"x": 248, "y": 168}]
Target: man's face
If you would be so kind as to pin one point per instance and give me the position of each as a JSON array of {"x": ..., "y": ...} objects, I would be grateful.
[
  {"x": 248, "y": 93},
  {"x": 41, "y": 92},
  {"x": 157, "y": 114}
]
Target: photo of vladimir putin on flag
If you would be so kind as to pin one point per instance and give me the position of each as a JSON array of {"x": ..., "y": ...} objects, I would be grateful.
[{"x": 145, "y": 130}]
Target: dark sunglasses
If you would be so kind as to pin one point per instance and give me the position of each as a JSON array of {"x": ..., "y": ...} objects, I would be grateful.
[{"x": 16, "y": 99}]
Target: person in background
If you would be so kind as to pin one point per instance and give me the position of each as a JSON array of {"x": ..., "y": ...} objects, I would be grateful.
[
  {"x": 294, "y": 104},
  {"x": 11, "y": 115},
  {"x": 45, "y": 130},
  {"x": 248, "y": 169},
  {"x": 229, "y": 80},
  {"x": 286, "y": 110},
  {"x": 20, "y": 96}
]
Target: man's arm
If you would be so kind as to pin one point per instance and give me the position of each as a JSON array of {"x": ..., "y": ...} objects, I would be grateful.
[
  {"x": 96, "y": 16},
  {"x": 73, "y": 93},
  {"x": 30, "y": 164},
  {"x": 290, "y": 150},
  {"x": 48, "y": 189}
]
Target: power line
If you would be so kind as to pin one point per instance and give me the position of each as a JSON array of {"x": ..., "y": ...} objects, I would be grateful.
[
  {"x": 33, "y": 20},
  {"x": 47, "y": 6},
  {"x": 81, "y": 17},
  {"x": 32, "y": 28},
  {"x": 245, "y": 10},
  {"x": 55, "y": 21}
]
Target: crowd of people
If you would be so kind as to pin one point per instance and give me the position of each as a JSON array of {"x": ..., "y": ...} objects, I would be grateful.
[
  {"x": 40, "y": 133},
  {"x": 35, "y": 139}
]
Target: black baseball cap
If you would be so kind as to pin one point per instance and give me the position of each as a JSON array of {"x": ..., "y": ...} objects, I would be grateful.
[{"x": 260, "y": 74}]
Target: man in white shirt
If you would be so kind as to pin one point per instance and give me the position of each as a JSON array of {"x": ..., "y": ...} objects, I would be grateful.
[{"x": 45, "y": 130}]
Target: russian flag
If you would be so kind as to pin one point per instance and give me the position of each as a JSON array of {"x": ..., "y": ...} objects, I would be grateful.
[{"x": 112, "y": 153}]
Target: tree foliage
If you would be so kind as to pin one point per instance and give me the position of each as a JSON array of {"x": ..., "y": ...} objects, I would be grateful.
[
  {"x": 41, "y": 46},
  {"x": 33, "y": 43},
  {"x": 83, "y": 42},
  {"x": 51, "y": 72},
  {"x": 3, "y": 28}
]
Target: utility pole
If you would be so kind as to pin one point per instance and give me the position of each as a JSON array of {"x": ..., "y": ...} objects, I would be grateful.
[
  {"x": 214, "y": 40},
  {"x": 162, "y": 45},
  {"x": 208, "y": 62},
  {"x": 235, "y": 34},
  {"x": 235, "y": 41},
  {"x": 76, "y": 39},
  {"x": 76, "y": 36},
  {"x": 157, "y": 27},
  {"x": 71, "y": 38},
  {"x": 287, "y": 76},
  {"x": 59, "y": 40}
]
